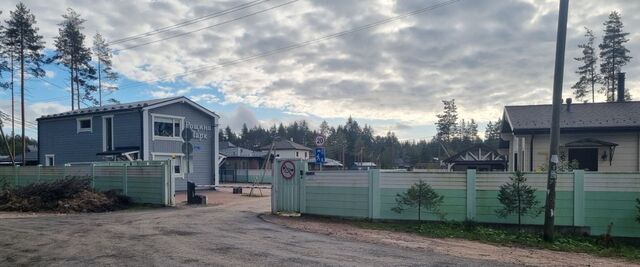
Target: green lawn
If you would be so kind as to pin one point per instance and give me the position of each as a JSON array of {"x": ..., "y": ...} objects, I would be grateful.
[{"x": 507, "y": 237}]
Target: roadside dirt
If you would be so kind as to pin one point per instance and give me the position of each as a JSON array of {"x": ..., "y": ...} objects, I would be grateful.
[{"x": 454, "y": 247}]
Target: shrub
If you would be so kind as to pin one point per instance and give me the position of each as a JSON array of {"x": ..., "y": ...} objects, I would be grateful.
[
  {"x": 421, "y": 196},
  {"x": 518, "y": 198},
  {"x": 638, "y": 207},
  {"x": 70, "y": 194}
]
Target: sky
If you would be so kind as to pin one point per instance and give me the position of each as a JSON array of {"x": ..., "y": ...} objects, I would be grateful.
[{"x": 485, "y": 54}]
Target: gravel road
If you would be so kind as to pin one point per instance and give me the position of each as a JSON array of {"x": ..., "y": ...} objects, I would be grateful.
[{"x": 226, "y": 235}]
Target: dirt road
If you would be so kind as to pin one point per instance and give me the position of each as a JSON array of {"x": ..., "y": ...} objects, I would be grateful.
[{"x": 226, "y": 235}]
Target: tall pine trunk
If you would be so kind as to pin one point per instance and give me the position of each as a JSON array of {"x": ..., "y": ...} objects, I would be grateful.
[
  {"x": 13, "y": 115},
  {"x": 24, "y": 140},
  {"x": 100, "y": 81}
]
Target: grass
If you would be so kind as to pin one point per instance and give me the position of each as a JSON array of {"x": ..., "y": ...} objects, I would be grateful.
[{"x": 511, "y": 237}]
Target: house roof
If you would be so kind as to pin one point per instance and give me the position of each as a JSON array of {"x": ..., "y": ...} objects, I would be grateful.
[
  {"x": 328, "y": 162},
  {"x": 146, "y": 104},
  {"x": 285, "y": 145},
  {"x": 537, "y": 118}
]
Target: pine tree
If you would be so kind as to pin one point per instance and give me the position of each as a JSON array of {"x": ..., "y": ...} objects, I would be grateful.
[
  {"x": 472, "y": 131},
  {"x": 447, "y": 121},
  {"x": 492, "y": 133},
  {"x": 588, "y": 72},
  {"x": 422, "y": 197},
  {"x": 105, "y": 71},
  {"x": 72, "y": 53},
  {"x": 613, "y": 54},
  {"x": 518, "y": 198},
  {"x": 21, "y": 37}
]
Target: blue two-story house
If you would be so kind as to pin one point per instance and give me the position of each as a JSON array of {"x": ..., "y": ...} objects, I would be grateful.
[{"x": 144, "y": 130}]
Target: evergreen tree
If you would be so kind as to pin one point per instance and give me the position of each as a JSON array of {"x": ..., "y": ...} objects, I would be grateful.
[
  {"x": 72, "y": 53},
  {"x": 421, "y": 197},
  {"x": 105, "y": 71},
  {"x": 5, "y": 57},
  {"x": 21, "y": 37},
  {"x": 588, "y": 72},
  {"x": 613, "y": 54},
  {"x": 492, "y": 133},
  {"x": 447, "y": 121},
  {"x": 518, "y": 198}
]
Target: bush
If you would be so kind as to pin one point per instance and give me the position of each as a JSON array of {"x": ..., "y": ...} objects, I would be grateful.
[{"x": 70, "y": 194}]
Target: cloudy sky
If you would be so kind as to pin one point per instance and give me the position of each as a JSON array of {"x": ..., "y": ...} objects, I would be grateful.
[{"x": 483, "y": 53}]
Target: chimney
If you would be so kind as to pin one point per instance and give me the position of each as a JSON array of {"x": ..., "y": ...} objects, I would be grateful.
[
  {"x": 569, "y": 101},
  {"x": 621, "y": 87}
]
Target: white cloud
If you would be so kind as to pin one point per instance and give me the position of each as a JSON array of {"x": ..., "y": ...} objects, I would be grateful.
[
  {"x": 485, "y": 54},
  {"x": 206, "y": 98}
]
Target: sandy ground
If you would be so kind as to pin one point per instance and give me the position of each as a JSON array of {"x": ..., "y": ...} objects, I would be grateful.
[
  {"x": 228, "y": 233},
  {"x": 455, "y": 247}
]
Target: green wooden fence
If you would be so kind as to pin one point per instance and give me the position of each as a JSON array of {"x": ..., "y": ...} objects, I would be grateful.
[
  {"x": 144, "y": 181},
  {"x": 585, "y": 199}
]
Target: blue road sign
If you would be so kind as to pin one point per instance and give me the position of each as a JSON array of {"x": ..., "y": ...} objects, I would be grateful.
[{"x": 319, "y": 155}]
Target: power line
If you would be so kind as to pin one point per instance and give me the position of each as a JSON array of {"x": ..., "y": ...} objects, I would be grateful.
[
  {"x": 188, "y": 22},
  {"x": 297, "y": 45},
  {"x": 205, "y": 28}
]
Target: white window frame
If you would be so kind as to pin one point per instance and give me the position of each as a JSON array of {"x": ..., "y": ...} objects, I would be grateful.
[
  {"x": 47, "y": 157},
  {"x": 104, "y": 133},
  {"x": 82, "y": 130},
  {"x": 173, "y": 138},
  {"x": 176, "y": 156}
]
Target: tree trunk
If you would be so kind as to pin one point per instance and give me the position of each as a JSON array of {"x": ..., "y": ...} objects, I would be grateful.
[
  {"x": 73, "y": 92},
  {"x": 24, "y": 140},
  {"x": 100, "y": 81}
]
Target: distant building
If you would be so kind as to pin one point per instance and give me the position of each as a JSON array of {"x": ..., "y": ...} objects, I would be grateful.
[
  {"x": 329, "y": 164},
  {"x": 597, "y": 136},
  {"x": 31, "y": 158},
  {"x": 479, "y": 157},
  {"x": 363, "y": 166},
  {"x": 288, "y": 150},
  {"x": 235, "y": 158}
]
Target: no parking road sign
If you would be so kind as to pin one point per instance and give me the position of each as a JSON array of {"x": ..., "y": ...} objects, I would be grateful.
[{"x": 288, "y": 169}]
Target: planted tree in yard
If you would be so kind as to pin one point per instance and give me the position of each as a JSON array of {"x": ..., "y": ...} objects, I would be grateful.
[
  {"x": 518, "y": 198},
  {"x": 421, "y": 196}
]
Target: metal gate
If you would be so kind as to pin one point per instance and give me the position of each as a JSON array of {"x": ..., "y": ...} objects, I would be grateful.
[{"x": 288, "y": 185}]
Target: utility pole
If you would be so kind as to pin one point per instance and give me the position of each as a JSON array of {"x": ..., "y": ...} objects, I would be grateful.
[
  {"x": 13, "y": 116},
  {"x": 549, "y": 216}
]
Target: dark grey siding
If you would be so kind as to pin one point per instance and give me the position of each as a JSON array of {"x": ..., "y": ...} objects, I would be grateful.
[
  {"x": 202, "y": 173},
  {"x": 59, "y": 136}
]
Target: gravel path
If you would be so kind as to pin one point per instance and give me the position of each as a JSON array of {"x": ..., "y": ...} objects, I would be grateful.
[{"x": 226, "y": 235}]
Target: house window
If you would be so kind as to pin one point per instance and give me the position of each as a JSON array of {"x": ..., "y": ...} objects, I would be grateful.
[
  {"x": 167, "y": 127},
  {"x": 297, "y": 154},
  {"x": 84, "y": 124},
  {"x": 587, "y": 158},
  {"x": 49, "y": 160}
]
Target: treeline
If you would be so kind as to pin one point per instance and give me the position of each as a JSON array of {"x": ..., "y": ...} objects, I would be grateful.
[
  {"x": 353, "y": 142},
  {"x": 22, "y": 58}
]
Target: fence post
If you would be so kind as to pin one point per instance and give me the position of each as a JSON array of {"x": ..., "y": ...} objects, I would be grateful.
[
  {"x": 39, "y": 167},
  {"x": 374, "y": 194},
  {"x": 15, "y": 175},
  {"x": 471, "y": 194},
  {"x": 578, "y": 198},
  {"x": 124, "y": 180}
]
